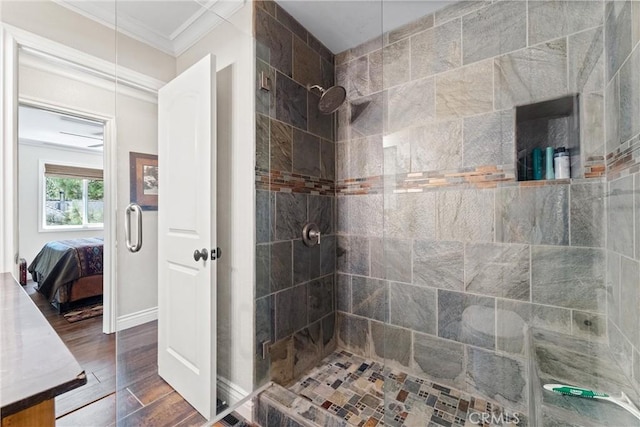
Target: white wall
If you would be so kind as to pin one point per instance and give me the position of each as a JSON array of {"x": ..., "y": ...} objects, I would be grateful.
[
  {"x": 29, "y": 205},
  {"x": 232, "y": 44}
]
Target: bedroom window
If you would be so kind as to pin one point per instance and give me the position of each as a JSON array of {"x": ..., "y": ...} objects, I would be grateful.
[{"x": 73, "y": 197}]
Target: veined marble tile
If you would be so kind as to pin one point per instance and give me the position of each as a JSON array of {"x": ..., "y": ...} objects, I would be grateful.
[
  {"x": 586, "y": 59},
  {"x": 533, "y": 215},
  {"x": 630, "y": 299},
  {"x": 497, "y": 270},
  {"x": 569, "y": 277},
  {"x": 588, "y": 214},
  {"x": 306, "y": 153},
  {"x": 618, "y": 35},
  {"x": 411, "y": 104},
  {"x": 436, "y": 50},
  {"x": 321, "y": 295},
  {"x": 592, "y": 124},
  {"x": 391, "y": 344},
  {"x": 612, "y": 115},
  {"x": 440, "y": 359},
  {"x": 413, "y": 307},
  {"x": 291, "y": 311},
  {"x": 438, "y": 264},
  {"x": 367, "y": 115},
  {"x": 343, "y": 292},
  {"x": 437, "y": 146},
  {"x": 458, "y": 9},
  {"x": 465, "y": 91},
  {"x": 281, "y": 136},
  {"x": 589, "y": 325},
  {"x": 489, "y": 139},
  {"x": 353, "y": 334},
  {"x": 620, "y": 216},
  {"x": 465, "y": 215},
  {"x": 291, "y": 102},
  {"x": 370, "y": 298},
  {"x": 396, "y": 60},
  {"x": 396, "y": 262},
  {"x": 613, "y": 287},
  {"x": 469, "y": 319},
  {"x": 352, "y": 254},
  {"x": 501, "y": 378},
  {"x": 530, "y": 75},
  {"x": 514, "y": 317},
  {"x": 411, "y": 28},
  {"x": 630, "y": 96},
  {"x": 410, "y": 215},
  {"x": 291, "y": 215},
  {"x": 494, "y": 30},
  {"x": 552, "y": 19}
]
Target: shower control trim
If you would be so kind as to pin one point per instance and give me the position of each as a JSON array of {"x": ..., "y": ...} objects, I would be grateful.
[{"x": 311, "y": 234}]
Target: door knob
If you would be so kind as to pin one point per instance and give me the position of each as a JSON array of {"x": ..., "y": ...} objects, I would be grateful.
[{"x": 203, "y": 254}]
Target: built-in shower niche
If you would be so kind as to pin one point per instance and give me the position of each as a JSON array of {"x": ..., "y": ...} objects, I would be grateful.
[{"x": 554, "y": 123}]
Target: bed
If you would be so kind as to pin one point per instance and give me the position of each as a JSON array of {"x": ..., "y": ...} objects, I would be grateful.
[{"x": 69, "y": 271}]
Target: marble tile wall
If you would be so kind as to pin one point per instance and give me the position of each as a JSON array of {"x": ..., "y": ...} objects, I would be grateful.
[
  {"x": 622, "y": 127},
  {"x": 451, "y": 270},
  {"x": 295, "y": 184}
]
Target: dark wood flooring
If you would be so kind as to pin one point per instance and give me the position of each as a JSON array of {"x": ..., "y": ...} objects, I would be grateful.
[{"x": 134, "y": 394}]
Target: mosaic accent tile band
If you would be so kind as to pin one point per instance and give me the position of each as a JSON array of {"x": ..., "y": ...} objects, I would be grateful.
[
  {"x": 275, "y": 180},
  {"x": 625, "y": 160},
  {"x": 354, "y": 389}
]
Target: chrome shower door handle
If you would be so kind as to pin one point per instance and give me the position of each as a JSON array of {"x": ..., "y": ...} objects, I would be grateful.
[{"x": 127, "y": 227}]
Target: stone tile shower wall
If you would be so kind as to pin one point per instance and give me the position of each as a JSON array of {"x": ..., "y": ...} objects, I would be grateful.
[
  {"x": 295, "y": 184},
  {"x": 435, "y": 236},
  {"x": 622, "y": 107}
]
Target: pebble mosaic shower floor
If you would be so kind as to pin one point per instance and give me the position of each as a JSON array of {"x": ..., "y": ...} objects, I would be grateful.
[{"x": 354, "y": 388}]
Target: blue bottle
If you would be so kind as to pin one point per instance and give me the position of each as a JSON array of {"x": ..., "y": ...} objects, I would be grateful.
[
  {"x": 537, "y": 163},
  {"x": 549, "y": 164}
]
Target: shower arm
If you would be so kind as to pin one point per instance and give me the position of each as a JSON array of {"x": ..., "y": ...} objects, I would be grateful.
[{"x": 320, "y": 88}]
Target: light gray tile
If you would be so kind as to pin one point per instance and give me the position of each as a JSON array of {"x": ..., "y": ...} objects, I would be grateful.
[
  {"x": 621, "y": 349},
  {"x": 342, "y": 214},
  {"x": 328, "y": 255},
  {"x": 327, "y": 160},
  {"x": 391, "y": 344},
  {"x": 533, "y": 74},
  {"x": 618, "y": 34},
  {"x": 613, "y": 287},
  {"x": 636, "y": 195},
  {"x": 497, "y": 270},
  {"x": 396, "y": 60},
  {"x": 465, "y": 215},
  {"x": 376, "y": 71},
  {"x": 413, "y": 307},
  {"x": 630, "y": 299},
  {"x": 321, "y": 297},
  {"x": 265, "y": 216},
  {"x": 411, "y": 104},
  {"x": 365, "y": 157},
  {"x": 263, "y": 270},
  {"x": 291, "y": 311},
  {"x": 281, "y": 266},
  {"x": 411, "y": 28},
  {"x": 630, "y": 97},
  {"x": 410, "y": 215},
  {"x": 354, "y": 77},
  {"x": 436, "y": 147},
  {"x": 620, "y": 216},
  {"x": 494, "y": 30},
  {"x": 438, "y": 264},
  {"x": 465, "y": 91},
  {"x": 586, "y": 59},
  {"x": 489, "y": 139},
  {"x": 353, "y": 334},
  {"x": 469, "y": 319},
  {"x": 370, "y": 45},
  {"x": 397, "y": 253},
  {"x": 307, "y": 345},
  {"x": 612, "y": 115},
  {"x": 377, "y": 257},
  {"x": 552, "y": 19},
  {"x": 587, "y": 215},
  {"x": 343, "y": 292},
  {"x": 500, "y": 378},
  {"x": 592, "y": 121},
  {"x": 436, "y": 50},
  {"x": 533, "y": 215},
  {"x": 321, "y": 212},
  {"x": 569, "y": 277},
  {"x": 589, "y": 326},
  {"x": 440, "y": 359},
  {"x": 306, "y": 153},
  {"x": 397, "y": 152},
  {"x": 457, "y": 9},
  {"x": 366, "y": 116},
  {"x": 306, "y": 262},
  {"x": 352, "y": 254},
  {"x": 291, "y": 215},
  {"x": 514, "y": 317},
  {"x": 366, "y": 215},
  {"x": 369, "y": 298}
]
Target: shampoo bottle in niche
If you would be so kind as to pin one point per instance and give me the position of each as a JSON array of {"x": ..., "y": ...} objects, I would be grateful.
[
  {"x": 562, "y": 163},
  {"x": 537, "y": 163},
  {"x": 549, "y": 163}
]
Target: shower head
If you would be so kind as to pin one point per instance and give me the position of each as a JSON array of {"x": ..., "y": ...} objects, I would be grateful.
[{"x": 330, "y": 99}]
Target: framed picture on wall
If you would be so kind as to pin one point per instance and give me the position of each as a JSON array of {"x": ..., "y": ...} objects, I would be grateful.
[{"x": 144, "y": 180}]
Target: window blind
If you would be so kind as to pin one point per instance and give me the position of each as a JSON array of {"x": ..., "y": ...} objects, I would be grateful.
[{"x": 62, "y": 171}]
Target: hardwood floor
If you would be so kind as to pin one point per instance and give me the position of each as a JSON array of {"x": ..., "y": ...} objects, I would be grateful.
[{"x": 134, "y": 394}]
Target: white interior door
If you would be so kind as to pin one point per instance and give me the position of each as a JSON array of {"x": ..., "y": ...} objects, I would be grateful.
[{"x": 186, "y": 223}]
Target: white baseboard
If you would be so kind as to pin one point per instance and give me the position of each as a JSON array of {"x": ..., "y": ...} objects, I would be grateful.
[
  {"x": 231, "y": 394},
  {"x": 138, "y": 318}
]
